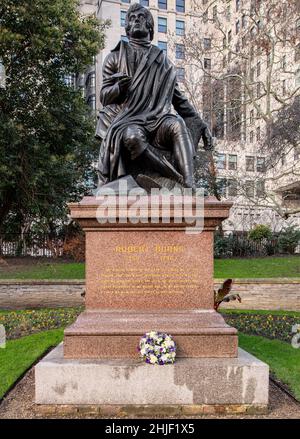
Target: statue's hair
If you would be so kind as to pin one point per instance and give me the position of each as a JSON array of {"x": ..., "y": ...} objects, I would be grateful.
[{"x": 149, "y": 18}]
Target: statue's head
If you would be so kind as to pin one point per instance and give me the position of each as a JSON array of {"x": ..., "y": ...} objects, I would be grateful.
[{"x": 139, "y": 22}]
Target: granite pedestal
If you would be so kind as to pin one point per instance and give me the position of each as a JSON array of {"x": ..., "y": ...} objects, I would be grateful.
[{"x": 143, "y": 276}]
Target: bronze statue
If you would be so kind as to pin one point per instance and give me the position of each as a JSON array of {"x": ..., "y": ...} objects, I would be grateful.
[{"x": 145, "y": 117}]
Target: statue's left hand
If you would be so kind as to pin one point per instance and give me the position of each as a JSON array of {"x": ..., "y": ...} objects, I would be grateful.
[{"x": 207, "y": 139}]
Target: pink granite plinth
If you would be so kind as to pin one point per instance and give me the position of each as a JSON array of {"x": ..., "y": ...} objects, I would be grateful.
[{"x": 146, "y": 276}]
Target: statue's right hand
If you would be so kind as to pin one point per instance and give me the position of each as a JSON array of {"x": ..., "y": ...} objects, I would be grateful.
[{"x": 124, "y": 84}]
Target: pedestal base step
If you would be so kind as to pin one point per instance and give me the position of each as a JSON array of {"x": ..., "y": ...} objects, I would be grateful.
[
  {"x": 116, "y": 334},
  {"x": 199, "y": 382}
]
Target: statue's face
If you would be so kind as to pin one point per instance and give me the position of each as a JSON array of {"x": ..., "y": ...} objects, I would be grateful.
[{"x": 138, "y": 25}]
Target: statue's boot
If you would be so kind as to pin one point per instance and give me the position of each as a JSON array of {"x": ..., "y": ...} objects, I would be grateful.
[
  {"x": 161, "y": 165},
  {"x": 184, "y": 157}
]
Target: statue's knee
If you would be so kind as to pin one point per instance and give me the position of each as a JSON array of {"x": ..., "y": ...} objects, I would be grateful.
[
  {"x": 134, "y": 139},
  {"x": 177, "y": 126}
]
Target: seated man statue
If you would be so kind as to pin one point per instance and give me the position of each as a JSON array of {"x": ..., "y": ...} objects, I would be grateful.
[{"x": 144, "y": 113}]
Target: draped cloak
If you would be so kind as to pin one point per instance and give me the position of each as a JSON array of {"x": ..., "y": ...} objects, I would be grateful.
[{"x": 149, "y": 101}]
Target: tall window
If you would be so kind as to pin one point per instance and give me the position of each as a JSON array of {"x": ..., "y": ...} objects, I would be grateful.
[
  {"x": 237, "y": 5},
  {"x": 260, "y": 189},
  {"x": 244, "y": 21},
  {"x": 258, "y": 69},
  {"x": 251, "y": 138},
  {"x": 162, "y": 4},
  {"x": 221, "y": 161},
  {"x": 162, "y": 25},
  {"x": 123, "y": 16},
  {"x": 180, "y": 27},
  {"x": 92, "y": 102},
  {"x": 144, "y": 2},
  {"x": 258, "y": 134},
  {"x": 207, "y": 43},
  {"x": 232, "y": 188},
  {"x": 229, "y": 36},
  {"x": 163, "y": 46},
  {"x": 180, "y": 74},
  {"x": 215, "y": 14},
  {"x": 260, "y": 164},
  {"x": 250, "y": 188},
  {"x": 126, "y": 1},
  {"x": 249, "y": 163},
  {"x": 207, "y": 63},
  {"x": 232, "y": 162},
  {"x": 179, "y": 51},
  {"x": 180, "y": 5},
  {"x": 237, "y": 27}
]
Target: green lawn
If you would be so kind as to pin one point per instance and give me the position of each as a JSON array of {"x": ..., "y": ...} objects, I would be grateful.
[
  {"x": 260, "y": 312},
  {"x": 258, "y": 267},
  {"x": 20, "y": 354},
  {"x": 224, "y": 268},
  {"x": 283, "y": 359}
]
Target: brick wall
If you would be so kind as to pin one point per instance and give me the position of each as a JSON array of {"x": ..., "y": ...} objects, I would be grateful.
[{"x": 256, "y": 294}]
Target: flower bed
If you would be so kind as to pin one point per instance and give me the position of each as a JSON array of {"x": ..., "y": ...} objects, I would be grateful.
[
  {"x": 267, "y": 325},
  {"x": 26, "y": 322}
]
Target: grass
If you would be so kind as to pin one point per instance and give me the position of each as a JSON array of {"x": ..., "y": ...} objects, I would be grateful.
[
  {"x": 269, "y": 267},
  {"x": 283, "y": 359},
  {"x": 20, "y": 354},
  {"x": 258, "y": 267},
  {"x": 260, "y": 312}
]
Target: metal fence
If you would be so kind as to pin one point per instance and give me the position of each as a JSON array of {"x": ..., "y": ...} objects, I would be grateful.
[
  {"x": 238, "y": 245},
  {"x": 28, "y": 245}
]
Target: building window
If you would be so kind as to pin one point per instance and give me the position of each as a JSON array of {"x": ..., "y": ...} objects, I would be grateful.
[
  {"x": 251, "y": 117},
  {"x": 228, "y": 13},
  {"x": 237, "y": 5},
  {"x": 162, "y": 25},
  {"x": 258, "y": 90},
  {"x": 284, "y": 62},
  {"x": 92, "y": 102},
  {"x": 221, "y": 161},
  {"x": 232, "y": 162},
  {"x": 180, "y": 5},
  {"x": 260, "y": 164},
  {"x": 251, "y": 138},
  {"x": 260, "y": 189},
  {"x": 284, "y": 87},
  {"x": 249, "y": 163},
  {"x": 244, "y": 21},
  {"x": 126, "y": 1},
  {"x": 222, "y": 185},
  {"x": 215, "y": 14},
  {"x": 91, "y": 80},
  {"x": 296, "y": 154},
  {"x": 179, "y": 51},
  {"x": 144, "y": 2},
  {"x": 258, "y": 134},
  {"x": 237, "y": 27},
  {"x": 297, "y": 53},
  {"x": 229, "y": 36},
  {"x": 232, "y": 188},
  {"x": 162, "y": 4},
  {"x": 123, "y": 16},
  {"x": 207, "y": 63},
  {"x": 297, "y": 78},
  {"x": 180, "y": 74},
  {"x": 180, "y": 27},
  {"x": 258, "y": 69},
  {"x": 163, "y": 46},
  {"x": 249, "y": 188},
  {"x": 207, "y": 43},
  {"x": 205, "y": 16}
]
